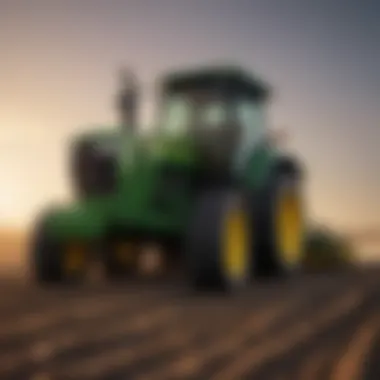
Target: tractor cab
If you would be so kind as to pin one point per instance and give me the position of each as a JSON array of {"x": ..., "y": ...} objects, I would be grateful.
[{"x": 222, "y": 110}]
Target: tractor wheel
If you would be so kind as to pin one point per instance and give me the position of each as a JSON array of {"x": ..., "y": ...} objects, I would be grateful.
[
  {"x": 218, "y": 242},
  {"x": 58, "y": 262},
  {"x": 280, "y": 232},
  {"x": 120, "y": 259}
]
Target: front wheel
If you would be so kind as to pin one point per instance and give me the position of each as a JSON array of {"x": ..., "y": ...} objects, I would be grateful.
[
  {"x": 55, "y": 261},
  {"x": 281, "y": 226}
]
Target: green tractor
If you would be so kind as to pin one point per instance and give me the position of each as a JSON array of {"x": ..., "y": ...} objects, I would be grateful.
[{"x": 206, "y": 185}]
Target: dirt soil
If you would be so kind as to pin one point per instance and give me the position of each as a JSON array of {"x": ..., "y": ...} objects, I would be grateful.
[{"x": 314, "y": 327}]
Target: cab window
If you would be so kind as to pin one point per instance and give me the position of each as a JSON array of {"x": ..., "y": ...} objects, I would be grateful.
[
  {"x": 214, "y": 115},
  {"x": 251, "y": 118},
  {"x": 177, "y": 115}
]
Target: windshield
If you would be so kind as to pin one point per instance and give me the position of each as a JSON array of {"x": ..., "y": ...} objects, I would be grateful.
[{"x": 182, "y": 112}]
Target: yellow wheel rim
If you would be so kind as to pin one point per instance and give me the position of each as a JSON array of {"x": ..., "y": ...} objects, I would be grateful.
[
  {"x": 289, "y": 227},
  {"x": 235, "y": 243},
  {"x": 75, "y": 258}
]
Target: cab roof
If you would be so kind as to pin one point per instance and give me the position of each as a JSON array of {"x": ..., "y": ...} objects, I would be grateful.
[{"x": 229, "y": 78}]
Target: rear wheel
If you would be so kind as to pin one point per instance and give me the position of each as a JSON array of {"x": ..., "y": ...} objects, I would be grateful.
[
  {"x": 281, "y": 226},
  {"x": 218, "y": 244}
]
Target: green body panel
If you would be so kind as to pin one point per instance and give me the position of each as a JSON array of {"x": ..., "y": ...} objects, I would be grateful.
[
  {"x": 140, "y": 182},
  {"x": 131, "y": 204}
]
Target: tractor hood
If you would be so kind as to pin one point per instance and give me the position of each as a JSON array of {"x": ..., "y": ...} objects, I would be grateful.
[
  {"x": 131, "y": 148},
  {"x": 106, "y": 159}
]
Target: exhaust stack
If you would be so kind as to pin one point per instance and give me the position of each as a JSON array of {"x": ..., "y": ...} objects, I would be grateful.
[{"x": 127, "y": 100}]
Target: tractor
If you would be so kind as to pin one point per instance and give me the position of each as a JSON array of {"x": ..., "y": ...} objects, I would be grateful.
[{"x": 206, "y": 185}]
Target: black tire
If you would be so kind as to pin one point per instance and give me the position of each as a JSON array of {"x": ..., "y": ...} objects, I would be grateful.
[
  {"x": 270, "y": 258},
  {"x": 47, "y": 258},
  {"x": 46, "y": 261},
  {"x": 203, "y": 248}
]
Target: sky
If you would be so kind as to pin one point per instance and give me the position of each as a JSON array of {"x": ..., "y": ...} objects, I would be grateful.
[{"x": 58, "y": 77}]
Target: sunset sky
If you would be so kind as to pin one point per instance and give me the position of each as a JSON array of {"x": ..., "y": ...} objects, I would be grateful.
[{"x": 57, "y": 77}]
